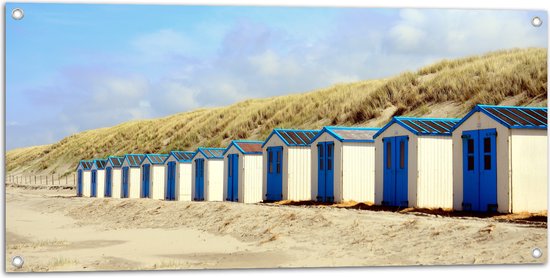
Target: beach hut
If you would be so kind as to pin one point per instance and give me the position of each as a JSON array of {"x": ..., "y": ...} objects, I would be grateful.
[
  {"x": 179, "y": 175},
  {"x": 83, "y": 174},
  {"x": 500, "y": 158},
  {"x": 131, "y": 175},
  {"x": 153, "y": 176},
  {"x": 98, "y": 178},
  {"x": 287, "y": 164},
  {"x": 208, "y": 174},
  {"x": 113, "y": 176},
  {"x": 243, "y": 171},
  {"x": 342, "y": 163},
  {"x": 414, "y": 164}
]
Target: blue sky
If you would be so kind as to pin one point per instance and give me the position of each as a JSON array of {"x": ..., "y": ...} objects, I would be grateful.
[{"x": 71, "y": 68}]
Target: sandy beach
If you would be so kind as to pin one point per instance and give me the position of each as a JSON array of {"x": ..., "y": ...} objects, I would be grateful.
[{"x": 55, "y": 231}]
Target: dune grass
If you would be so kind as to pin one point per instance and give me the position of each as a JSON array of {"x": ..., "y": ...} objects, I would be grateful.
[{"x": 520, "y": 74}]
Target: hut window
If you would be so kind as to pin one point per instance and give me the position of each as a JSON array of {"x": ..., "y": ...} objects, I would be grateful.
[
  {"x": 470, "y": 163},
  {"x": 487, "y": 159},
  {"x": 278, "y": 162},
  {"x": 329, "y": 157},
  {"x": 388, "y": 155},
  {"x": 270, "y": 162},
  {"x": 402, "y": 154},
  {"x": 321, "y": 157},
  {"x": 487, "y": 144},
  {"x": 229, "y": 160},
  {"x": 470, "y": 145}
]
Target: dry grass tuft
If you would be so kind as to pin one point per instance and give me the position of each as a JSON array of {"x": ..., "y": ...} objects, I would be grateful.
[
  {"x": 61, "y": 261},
  {"x": 37, "y": 244}
]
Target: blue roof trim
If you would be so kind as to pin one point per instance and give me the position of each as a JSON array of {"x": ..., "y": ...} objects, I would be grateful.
[
  {"x": 164, "y": 157},
  {"x": 526, "y": 114},
  {"x": 110, "y": 161},
  {"x": 398, "y": 120},
  {"x": 84, "y": 166},
  {"x": 277, "y": 130},
  {"x": 328, "y": 129},
  {"x": 482, "y": 107},
  {"x": 172, "y": 153},
  {"x": 132, "y": 166},
  {"x": 239, "y": 148},
  {"x": 94, "y": 163},
  {"x": 201, "y": 150}
]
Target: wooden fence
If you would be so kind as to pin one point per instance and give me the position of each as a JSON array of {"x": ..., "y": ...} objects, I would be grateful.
[{"x": 42, "y": 179}]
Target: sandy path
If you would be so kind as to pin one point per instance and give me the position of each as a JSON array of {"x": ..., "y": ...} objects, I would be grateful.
[
  {"x": 54, "y": 231},
  {"x": 51, "y": 241}
]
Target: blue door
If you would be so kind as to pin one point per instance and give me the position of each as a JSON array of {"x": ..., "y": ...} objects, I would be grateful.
[
  {"x": 396, "y": 188},
  {"x": 108, "y": 182},
  {"x": 479, "y": 170},
  {"x": 171, "y": 182},
  {"x": 233, "y": 178},
  {"x": 199, "y": 180},
  {"x": 94, "y": 184},
  {"x": 125, "y": 182},
  {"x": 79, "y": 184},
  {"x": 325, "y": 173},
  {"x": 274, "y": 174},
  {"x": 145, "y": 181}
]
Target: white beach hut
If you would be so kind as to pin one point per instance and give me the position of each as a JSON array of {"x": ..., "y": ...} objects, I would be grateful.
[
  {"x": 243, "y": 171},
  {"x": 179, "y": 176},
  {"x": 153, "y": 176},
  {"x": 414, "y": 164},
  {"x": 500, "y": 158},
  {"x": 113, "y": 176},
  {"x": 208, "y": 174},
  {"x": 131, "y": 176},
  {"x": 83, "y": 174},
  {"x": 342, "y": 163},
  {"x": 98, "y": 178},
  {"x": 287, "y": 164}
]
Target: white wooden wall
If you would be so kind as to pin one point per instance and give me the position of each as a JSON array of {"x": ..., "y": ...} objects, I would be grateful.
[
  {"x": 435, "y": 172},
  {"x": 157, "y": 183},
  {"x": 213, "y": 181},
  {"x": 298, "y": 186},
  {"x": 134, "y": 183},
  {"x": 358, "y": 169},
  {"x": 86, "y": 183},
  {"x": 100, "y": 184},
  {"x": 251, "y": 184},
  {"x": 116, "y": 185},
  {"x": 184, "y": 183},
  {"x": 529, "y": 149}
]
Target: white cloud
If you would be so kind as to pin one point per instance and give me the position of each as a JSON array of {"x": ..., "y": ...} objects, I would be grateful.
[
  {"x": 406, "y": 37},
  {"x": 162, "y": 44}
]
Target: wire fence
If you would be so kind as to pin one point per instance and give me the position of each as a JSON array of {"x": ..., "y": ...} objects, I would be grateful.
[{"x": 69, "y": 180}]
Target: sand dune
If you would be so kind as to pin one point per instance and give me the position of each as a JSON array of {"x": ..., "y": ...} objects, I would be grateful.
[{"x": 54, "y": 231}]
